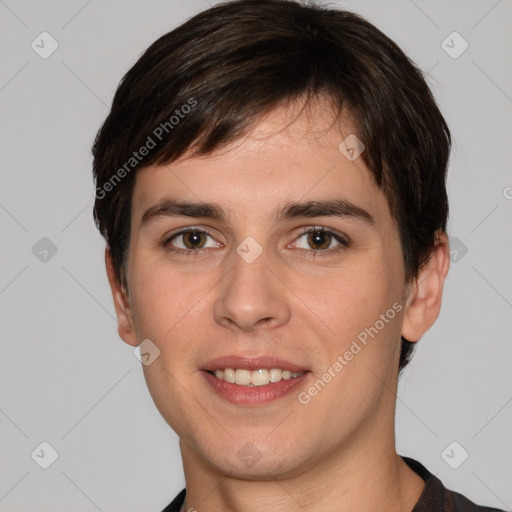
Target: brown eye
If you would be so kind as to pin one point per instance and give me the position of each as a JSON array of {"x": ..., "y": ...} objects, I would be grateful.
[
  {"x": 319, "y": 239},
  {"x": 194, "y": 239},
  {"x": 190, "y": 240}
]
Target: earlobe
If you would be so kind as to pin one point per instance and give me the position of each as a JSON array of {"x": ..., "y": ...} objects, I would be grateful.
[
  {"x": 121, "y": 303},
  {"x": 424, "y": 301}
]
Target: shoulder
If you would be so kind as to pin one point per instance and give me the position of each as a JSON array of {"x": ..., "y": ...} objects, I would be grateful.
[{"x": 436, "y": 497}]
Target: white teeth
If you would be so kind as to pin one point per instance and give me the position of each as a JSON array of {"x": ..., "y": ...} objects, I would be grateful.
[
  {"x": 260, "y": 377},
  {"x": 275, "y": 375},
  {"x": 243, "y": 377},
  {"x": 229, "y": 375}
]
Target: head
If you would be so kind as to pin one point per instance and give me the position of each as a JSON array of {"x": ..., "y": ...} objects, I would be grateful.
[{"x": 256, "y": 127}]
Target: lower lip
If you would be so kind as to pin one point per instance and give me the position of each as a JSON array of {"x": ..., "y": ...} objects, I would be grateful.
[{"x": 253, "y": 395}]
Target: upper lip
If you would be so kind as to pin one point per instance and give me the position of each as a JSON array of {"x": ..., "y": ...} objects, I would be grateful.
[{"x": 251, "y": 363}]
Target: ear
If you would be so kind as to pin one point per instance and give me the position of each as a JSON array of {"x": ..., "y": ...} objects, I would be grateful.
[
  {"x": 424, "y": 301},
  {"x": 126, "y": 325}
]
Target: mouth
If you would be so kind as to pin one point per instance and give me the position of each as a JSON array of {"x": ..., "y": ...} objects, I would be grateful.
[
  {"x": 260, "y": 377},
  {"x": 253, "y": 381}
]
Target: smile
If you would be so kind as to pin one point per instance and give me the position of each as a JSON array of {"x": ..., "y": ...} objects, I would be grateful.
[{"x": 260, "y": 377}]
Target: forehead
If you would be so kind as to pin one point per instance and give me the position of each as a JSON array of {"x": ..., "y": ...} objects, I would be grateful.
[{"x": 292, "y": 153}]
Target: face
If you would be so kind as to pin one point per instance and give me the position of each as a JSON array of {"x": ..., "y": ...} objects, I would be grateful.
[{"x": 294, "y": 274}]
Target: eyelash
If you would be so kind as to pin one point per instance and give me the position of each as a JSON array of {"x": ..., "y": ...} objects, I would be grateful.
[{"x": 344, "y": 242}]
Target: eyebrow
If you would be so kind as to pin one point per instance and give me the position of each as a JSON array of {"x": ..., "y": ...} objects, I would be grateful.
[{"x": 291, "y": 210}]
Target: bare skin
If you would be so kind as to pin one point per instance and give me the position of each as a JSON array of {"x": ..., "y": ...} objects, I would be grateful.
[{"x": 296, "y": 302}]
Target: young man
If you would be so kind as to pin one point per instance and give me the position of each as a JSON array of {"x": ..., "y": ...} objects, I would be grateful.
[{"x": 271, "y": 187}]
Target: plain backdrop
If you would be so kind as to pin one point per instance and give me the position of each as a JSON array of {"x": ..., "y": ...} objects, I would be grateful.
[{"x": 66, "y": 379}]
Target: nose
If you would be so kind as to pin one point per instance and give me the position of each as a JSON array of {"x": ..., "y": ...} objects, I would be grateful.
[{"x": 252, "y": 296}]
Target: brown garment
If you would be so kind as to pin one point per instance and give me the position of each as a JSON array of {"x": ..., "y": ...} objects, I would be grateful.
[{"x": 434, "y": 498}]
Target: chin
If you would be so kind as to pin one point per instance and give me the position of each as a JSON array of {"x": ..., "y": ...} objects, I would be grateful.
[{"x": 252, "y": 458}]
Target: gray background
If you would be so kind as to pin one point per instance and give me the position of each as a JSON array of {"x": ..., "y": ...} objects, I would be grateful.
[{"x": 67, "y": 379}]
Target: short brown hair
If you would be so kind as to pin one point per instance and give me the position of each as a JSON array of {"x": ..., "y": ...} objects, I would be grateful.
[{"x": 239, "y": 60}]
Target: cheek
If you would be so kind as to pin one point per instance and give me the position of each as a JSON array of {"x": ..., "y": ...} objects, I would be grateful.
[
  {"x": 160, "y": 298},
  {"x": 362, "y": 310},
  {"x": 173, "y": 309},
  {"x": 353, "y": 298}
]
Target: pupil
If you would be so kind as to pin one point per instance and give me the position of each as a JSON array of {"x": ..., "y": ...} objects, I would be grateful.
[
  {"x": 319, "y": 238},
  {"x": 193, "y": 239}
]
